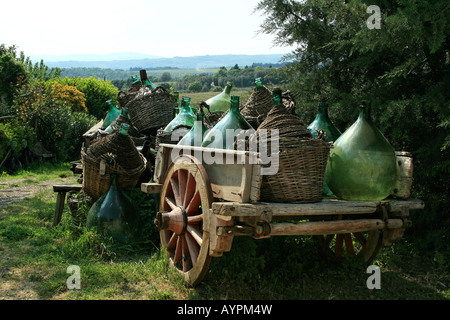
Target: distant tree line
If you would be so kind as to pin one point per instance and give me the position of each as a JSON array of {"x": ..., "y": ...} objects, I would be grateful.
[{"x": 240, "y": 77}]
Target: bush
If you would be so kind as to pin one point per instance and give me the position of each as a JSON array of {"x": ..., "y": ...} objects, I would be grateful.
[
  {"x": 61, "y": 131},
  {"x": 96, "y": 92}
]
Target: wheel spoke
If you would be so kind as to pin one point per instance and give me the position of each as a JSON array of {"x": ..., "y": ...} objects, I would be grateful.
[
  {"x": 186, "y": 256},
  {"x": 170, "y": 202},
  {"x": 172, "y": 242},
  {"x": 190, "y": 190},
  {"x": 193, "y": 248},
  {"x": 178, "y": 251},
  {"x": 361, "y": 239},
  {"x": 192, "y": 207},
  {"x": 339, "y": 244},
  {"x": 195, "y": 233},
  {"x": 195, "y": 219},
  {"x": 182, "y": 181},
  {"x": 176, "y": 190},
  {"x": 349, "y": 243}
]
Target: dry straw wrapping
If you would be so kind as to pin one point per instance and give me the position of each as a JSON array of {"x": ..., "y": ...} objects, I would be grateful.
[
  {"x": 113, "y": 154},
  {"x": 301, "y": 160},
  {"x": 150, "y": 109}
]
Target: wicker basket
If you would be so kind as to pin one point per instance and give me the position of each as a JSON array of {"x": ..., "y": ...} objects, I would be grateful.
[
  {"x": 151, "y": 109},
  {"x": 301, "y": 162},
  {"x": 257, "y": 106},
  {"x": 301, "y": 168},
  {"x": 97, "y": 174}
]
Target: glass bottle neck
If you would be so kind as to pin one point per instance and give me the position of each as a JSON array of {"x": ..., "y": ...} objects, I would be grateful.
[
  {"x": 124, "y": 129},
  {"x": 234, "y": 103},
  {"x": 365, "y": 112},
  {"x": 228, "y": 87},
  {"x": 276, "y": 97},
  {"x": 258, "y": 83}
]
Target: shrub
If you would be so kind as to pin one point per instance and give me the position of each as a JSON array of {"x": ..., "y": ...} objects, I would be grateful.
[{"x": 96, "y": 92}]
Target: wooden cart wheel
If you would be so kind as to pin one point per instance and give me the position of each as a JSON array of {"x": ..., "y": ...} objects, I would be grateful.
[
  {"x": 183, "y": 220},
  {"x": 339, "y": 247}
]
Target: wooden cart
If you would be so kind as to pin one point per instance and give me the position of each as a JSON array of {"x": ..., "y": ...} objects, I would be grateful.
[{"x": 205, "y": 203}]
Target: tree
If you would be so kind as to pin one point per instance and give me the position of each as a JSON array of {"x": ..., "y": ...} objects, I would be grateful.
[
  {"x": 165, "y": 77},
  {"x": 402, "y": 67},
  {"x": 195, "y": 86},
  {"x": 12, "y": 72}
]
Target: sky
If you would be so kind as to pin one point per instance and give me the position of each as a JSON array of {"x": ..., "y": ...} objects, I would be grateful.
[{"x": 165, "y": 28}]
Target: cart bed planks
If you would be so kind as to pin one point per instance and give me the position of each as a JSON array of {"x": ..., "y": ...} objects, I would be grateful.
[{"x": 325, "y": 207}]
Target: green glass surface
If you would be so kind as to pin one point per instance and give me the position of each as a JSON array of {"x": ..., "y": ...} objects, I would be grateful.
[
  {"x": 362, "y": 163},
  {"x": 233, "y": 121},
  {"x": 222, "y": 101},
  {"x": 111, "y": 115},
  {"x": 114, "y": 214},
  {"x": 258, "y": 84},
  {"x": 195, "y": 136},
  {"x": 185, "y": 117},
  {"x": 113, "y": 126},
  {"x": 323, "y": 122}
]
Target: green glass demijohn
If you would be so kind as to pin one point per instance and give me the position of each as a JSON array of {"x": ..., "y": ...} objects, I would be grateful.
[
  {"x": 114, "y": 125},
  {"x": 195, "y": 136},
  {"x": 362, "y": 163},
  {"x": 111, "y": 115},
  {"x": 222, "y": 101},
  {"x": 323, "y": 122},
  {"x": 224, "y": 133},
  {"x": 184, "y": 117},
  {"x": 114, "y": 215}
]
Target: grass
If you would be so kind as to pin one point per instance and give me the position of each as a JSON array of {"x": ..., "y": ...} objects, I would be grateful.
[
  {"x": 38, "y": 172},
  {"x": 34, "y": 257}
]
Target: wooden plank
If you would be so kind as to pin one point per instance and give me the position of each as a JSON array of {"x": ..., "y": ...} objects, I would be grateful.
[
  {"x": 294, "y": 209},
  {"x": 151, "y": 187},
  {"x": 325, "y": 207},
  {"x": 67, "y": 187}
]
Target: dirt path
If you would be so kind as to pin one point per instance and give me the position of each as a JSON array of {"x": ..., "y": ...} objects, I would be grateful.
[{"x": 15, "y": 190}]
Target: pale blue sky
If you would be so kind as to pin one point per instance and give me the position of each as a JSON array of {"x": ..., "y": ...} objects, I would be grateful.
[{"x": 165, "y": 28}]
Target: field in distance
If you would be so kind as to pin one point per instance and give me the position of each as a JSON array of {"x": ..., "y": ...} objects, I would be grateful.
[{"x": 197, "y": 97}]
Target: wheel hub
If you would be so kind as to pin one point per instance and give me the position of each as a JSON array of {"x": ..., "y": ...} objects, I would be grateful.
[{"x": 175, "y": 220}]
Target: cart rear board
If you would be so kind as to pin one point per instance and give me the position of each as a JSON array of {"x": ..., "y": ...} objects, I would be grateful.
[{"x": 209, "y": 196}]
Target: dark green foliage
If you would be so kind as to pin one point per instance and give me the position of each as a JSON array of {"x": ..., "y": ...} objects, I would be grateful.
[{"x": 402, "y": 68}]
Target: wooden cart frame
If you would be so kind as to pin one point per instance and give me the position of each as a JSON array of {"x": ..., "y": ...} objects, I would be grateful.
[{"x": 209, "y": 196}]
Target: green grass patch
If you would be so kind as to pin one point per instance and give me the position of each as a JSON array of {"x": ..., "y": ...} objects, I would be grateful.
[{"x": 34, "y": 254}]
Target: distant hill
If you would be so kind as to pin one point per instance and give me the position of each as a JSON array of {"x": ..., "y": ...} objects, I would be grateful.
[{"x": 208, "y": 61}]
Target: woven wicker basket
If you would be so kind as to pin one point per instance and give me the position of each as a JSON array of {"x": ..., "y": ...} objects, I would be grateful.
[
  {"x": 151, "y": 109},
  {"x": 301, "y": 168},
  {"x": 257, "y": 106},
  {"x": 97, "y": 174},
  {"x": 301, "y": 161}
]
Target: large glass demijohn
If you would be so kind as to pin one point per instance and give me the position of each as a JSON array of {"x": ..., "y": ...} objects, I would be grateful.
[
  {"x": 185, "y": 117},
  {"x": 323, "y": 122},
  {"x": 362, "y": 163},
  {"x": 224, "y": 133},
  {"x": 221, "y": 101},
  {"x": 115, "y": 215}
]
